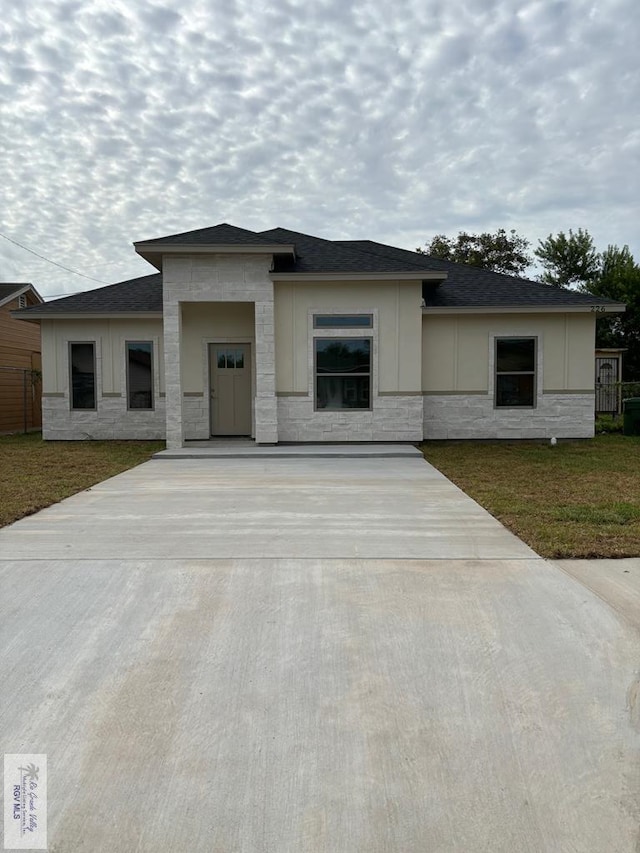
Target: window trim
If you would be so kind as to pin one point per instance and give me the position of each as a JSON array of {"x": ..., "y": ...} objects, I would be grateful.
[
  {"x": 73, "y": 408},
  {"x": 334, "y": 337},
  {"x": 534, "y": 372},
  {"x": 130, "y": 408}
]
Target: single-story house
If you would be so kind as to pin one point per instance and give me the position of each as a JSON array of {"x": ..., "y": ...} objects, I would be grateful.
[
  {"x": 20, "y": 387},
  {"x": 286, "y": 337}
]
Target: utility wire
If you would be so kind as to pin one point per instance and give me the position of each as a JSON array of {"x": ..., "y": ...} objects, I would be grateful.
[{"x": 55, "y": 263}]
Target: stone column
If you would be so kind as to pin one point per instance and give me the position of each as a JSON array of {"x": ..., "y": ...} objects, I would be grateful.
[
  {"x": 172, "y": 374},
  {"x": 266, "y": 409}
]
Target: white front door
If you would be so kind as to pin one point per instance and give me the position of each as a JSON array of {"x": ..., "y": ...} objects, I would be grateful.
[{"x": 230, "y": 389}]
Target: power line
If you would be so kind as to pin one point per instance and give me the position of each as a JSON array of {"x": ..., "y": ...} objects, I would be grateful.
[{"x": 49, "y": 261}]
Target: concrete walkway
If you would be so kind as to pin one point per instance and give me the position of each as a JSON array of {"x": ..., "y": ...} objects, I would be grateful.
[{"x": 317, "y": 654}]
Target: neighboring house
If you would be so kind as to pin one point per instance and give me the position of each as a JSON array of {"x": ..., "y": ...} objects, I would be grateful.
[
  {"x": 20, "y": 387},
  {"x": 286, "y": 337}
]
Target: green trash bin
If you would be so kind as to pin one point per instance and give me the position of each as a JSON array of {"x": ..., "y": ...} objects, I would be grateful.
[{"x": 631, "y": 422}]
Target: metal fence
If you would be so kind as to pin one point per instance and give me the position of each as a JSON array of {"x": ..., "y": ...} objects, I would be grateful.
[
  {"x": 609, "y": 396},
  {"x": 20, "y": 399}
]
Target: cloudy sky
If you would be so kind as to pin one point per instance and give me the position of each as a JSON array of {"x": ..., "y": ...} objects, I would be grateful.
[{"x": 391, "y": 120}]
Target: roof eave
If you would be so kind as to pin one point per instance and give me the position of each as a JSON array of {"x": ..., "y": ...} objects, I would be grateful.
[
  {"x": 36, "y": 316},
  {"x": 597, "y": 309},
  {"x": 153, "y": 252},
  {"x": 418, "y": 275},
  {"x": 19, "y": 292}
]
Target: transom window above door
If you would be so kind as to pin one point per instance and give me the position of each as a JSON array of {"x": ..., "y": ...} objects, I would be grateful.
[{"x": 229, "y": 358}]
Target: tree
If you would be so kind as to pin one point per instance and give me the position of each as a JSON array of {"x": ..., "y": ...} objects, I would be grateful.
[
  {"x": 568, "y": 260},
  {"x": 501, "y": 252},
  {"x": 619, "y": 278}
]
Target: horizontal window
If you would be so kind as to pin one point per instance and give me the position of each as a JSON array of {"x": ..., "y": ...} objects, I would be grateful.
[
  {"x": 515, "y": 372},
  {"x": 343, "y": 373},
  {"x": 342, "y": 321},
  {"x": 82, "y": 367},
  {"x": 140, "y": 375}
]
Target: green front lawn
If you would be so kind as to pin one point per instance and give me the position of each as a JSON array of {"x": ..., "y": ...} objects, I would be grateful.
[
  {"x": 36, "y": 473},
  {"x": 577, "y": 499}
]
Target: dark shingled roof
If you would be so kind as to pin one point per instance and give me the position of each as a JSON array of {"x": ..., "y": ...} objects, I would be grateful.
[
  {"x": 223, "y": 234},
  {"x": 136, "y": 295},
  {"x": 8, "y": 289},
  {"x": 471, "y": 287},
  {"x": 464, "y": 287},
  {"x": 315, "y": 255}
]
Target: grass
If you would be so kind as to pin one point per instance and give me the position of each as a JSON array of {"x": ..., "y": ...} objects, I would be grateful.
[
  {"x": 35, "y": 474},
  {"x": 577, "y": 499}
]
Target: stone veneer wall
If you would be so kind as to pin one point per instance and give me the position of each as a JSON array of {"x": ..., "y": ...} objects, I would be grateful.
[
  {"x": 218, "y": 278},
  {"x": 111, "y": 420},
  {"x": 196, "y": 417},
  {"x": 392, "y": 418},
  {"x": 473, "y": 416}
]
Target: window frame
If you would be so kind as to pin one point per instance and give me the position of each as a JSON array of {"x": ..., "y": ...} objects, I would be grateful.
[
  {"x": 534, "y": 394},
  {"x": 348, "y": 315},
  {"x": 73, "y": 408},
  {"x": 368, "y": 375},
  {"x": 131, "y": 408}
]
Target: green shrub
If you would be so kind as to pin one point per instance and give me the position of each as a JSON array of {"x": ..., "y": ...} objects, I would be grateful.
[{"x": 608, "y": 424}]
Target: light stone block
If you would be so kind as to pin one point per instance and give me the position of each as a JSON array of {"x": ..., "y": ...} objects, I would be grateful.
[
  {"x": 390, "y": 419},
  {"x": 475, "y": 417}
]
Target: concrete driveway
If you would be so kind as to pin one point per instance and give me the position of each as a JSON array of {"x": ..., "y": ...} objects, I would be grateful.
[{"x": 312, "y": 655}]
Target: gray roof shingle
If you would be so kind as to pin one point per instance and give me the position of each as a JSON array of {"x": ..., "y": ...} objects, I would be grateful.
[
  {"x": 464, "y": 287},
  {"x": 142, "y": 295},
  {"x": 7, "y": 290},
  {"x": 223, "y": 234},
  {"x": 315, "y": 255},
  {"x": 469, "y": 287}
]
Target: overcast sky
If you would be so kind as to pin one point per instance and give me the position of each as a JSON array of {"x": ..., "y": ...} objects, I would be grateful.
[{"x": 391, "y": 120}]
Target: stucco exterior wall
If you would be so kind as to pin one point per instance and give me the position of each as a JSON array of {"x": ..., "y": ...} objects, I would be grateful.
[
  {"x": 111, "y": 418},
  {"x": 457, "y": 350},
  {"x": 432, "y": 375},
  {"x": 458, "y": 376},
  {"x": 203, "y": 324},
  {"x": 396, "y": 304},
  {"x": 396, "y": 412}
]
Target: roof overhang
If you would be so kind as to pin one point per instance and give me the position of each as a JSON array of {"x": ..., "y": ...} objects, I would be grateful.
[
  {"x": 359, "y": 276},
  {"x": 153, "y": 252},
  {"x": 36, "y": 316},
  {"x": 19, "y": 291},
  {"x": 596, "y": 309}
]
